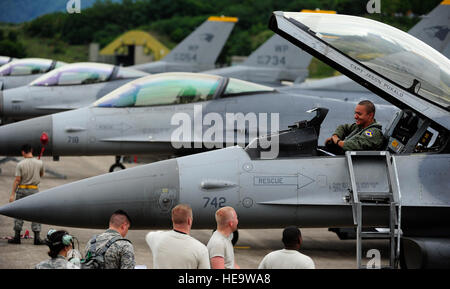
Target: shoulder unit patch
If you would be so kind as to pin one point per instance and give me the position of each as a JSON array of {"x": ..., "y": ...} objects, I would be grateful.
[{"x": 368, "y": 133}]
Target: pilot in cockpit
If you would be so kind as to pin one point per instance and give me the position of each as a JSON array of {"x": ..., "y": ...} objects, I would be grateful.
[{"x": 365, "y": 134}]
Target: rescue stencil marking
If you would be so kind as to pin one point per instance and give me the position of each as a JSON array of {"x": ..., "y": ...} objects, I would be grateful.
[{"x": 275, "y": 180}]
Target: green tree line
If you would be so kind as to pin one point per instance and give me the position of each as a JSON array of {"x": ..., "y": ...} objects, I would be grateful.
[{"x": 10, "y": 46}]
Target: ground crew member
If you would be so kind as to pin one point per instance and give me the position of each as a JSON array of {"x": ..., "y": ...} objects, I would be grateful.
[
  {"x": 176, "y": 249},
  {"x": 120, "y": 255},
  {"x": 289, "y": 257},
  {"x": 60, "y": 243},
  {"x": 28, "y": 176},
  {"x": 220, "y": 248},
  {"x": 364, "y": 134}
]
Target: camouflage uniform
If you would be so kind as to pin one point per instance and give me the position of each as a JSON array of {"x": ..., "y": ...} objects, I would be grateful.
[
  {"x": 56, "y": 263},
  {"x": 18, "y": 224},
  {"x": 121, "y": 253},
  {"x": 359, "y": 139}
]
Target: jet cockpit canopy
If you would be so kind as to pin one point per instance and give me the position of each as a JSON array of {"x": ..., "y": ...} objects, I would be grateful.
[
  {"x": 85, "y": 73},
  {"x": 391, "y": 63},
  {"x": 177, "y": 88},
  {"x": 4, "y": 60},
  {"x": 29, "y": 66},
  {"x": 390, "y": 52}
]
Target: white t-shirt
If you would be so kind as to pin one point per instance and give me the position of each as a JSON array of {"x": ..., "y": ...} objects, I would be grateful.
[
  {"x": 173, "y": 250},
  {"x": 286, "y": 259},
  {"x": 221, "y": 246}
]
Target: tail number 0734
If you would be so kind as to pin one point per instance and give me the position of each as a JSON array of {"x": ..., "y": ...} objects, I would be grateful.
[{"x": 214, "y": 202}]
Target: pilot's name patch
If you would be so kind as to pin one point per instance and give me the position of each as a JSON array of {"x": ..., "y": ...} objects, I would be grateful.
[{"x": 274, "y": 180}]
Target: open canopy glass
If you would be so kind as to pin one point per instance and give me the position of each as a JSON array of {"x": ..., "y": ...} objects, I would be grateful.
[{"x": 392, "y": 53}]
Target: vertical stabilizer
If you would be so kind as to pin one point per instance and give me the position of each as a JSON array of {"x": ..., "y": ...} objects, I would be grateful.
[
  {"x": 277, "y": 53},
  {"x": 274, "y": 61},
  {"x": 203, "y": 46},
  {"x": 434, "y": 29}
]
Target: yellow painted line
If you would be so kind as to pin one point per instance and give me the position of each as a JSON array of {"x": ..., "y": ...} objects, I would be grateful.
[
  {"x": 223, "y": 19},
  {"x": 241, "y": 247},
  {"x": 324, "y": 11}
]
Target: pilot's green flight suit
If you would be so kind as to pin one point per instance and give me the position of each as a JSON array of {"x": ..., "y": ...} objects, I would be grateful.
[{"x": 360, "y": 139}]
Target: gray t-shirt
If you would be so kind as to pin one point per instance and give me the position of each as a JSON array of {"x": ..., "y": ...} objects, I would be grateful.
[
  {"x": 286, "y": 259},
  {"x": 29, "y": 169},
  {"x": 174, "y": 250},
  {"x": 221, "y": 246}
]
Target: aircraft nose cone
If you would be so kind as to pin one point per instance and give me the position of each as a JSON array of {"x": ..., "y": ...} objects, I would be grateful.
[
  {"x": 14, "y": 136},
  {"x": 147, "y": 193}
]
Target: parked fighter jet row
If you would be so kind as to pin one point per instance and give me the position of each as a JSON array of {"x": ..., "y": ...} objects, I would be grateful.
[
  {"x": 78, "y": 85},
  {"x": 181, "y": 113}
]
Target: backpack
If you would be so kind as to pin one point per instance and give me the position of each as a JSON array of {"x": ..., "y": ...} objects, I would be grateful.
[{"x": 95, "y": 259}]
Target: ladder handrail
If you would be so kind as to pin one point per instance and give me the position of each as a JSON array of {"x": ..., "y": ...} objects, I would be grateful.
[
  {"x": 399, "y": 204},
  {"x": 355, "y": 197}
]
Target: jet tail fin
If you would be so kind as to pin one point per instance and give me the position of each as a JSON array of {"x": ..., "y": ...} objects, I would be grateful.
[
  {"x": 434, "y": 29},
  {"x": 203, "y": 46},
  {"x": 278, "y": 59}
]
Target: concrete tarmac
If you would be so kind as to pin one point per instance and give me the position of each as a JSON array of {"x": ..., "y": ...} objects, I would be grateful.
[{"x": 324, "y": 247}]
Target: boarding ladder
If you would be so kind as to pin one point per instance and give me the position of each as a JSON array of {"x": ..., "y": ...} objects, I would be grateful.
[{"x": 370, "y": 170}]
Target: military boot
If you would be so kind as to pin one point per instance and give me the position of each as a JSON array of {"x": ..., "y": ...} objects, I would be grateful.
[
  {"x": 16, "y": 239},
  {"x": 37, "y": 239}
]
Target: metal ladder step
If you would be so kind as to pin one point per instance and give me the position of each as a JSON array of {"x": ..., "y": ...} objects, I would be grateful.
[
  {"x": 381, "y": 164},
  {"x": 383, "y": 196},
  {"x": 375, "y": 235}
]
